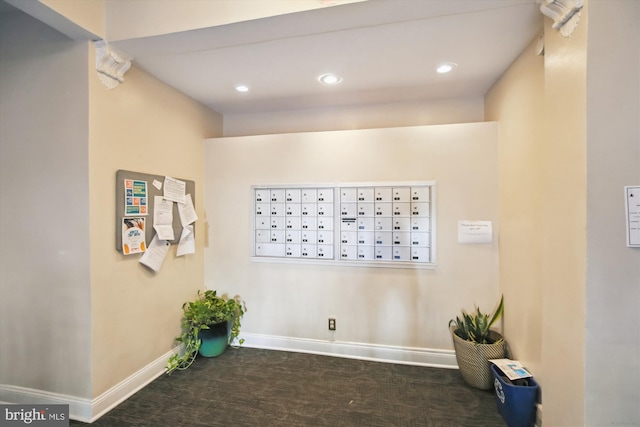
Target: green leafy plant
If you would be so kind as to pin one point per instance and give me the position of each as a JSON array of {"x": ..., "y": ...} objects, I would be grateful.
[
  {"x": 206, "y": 310},
  {"x": 475, "y": 327}
]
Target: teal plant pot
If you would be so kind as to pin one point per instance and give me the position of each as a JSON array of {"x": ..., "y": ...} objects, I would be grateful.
[{"x": 214, "y": 340}]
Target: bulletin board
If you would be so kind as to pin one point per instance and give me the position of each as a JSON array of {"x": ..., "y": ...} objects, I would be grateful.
[{"x": 151, "y": 192}]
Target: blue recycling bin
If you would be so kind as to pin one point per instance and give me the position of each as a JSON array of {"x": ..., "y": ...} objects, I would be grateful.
[{"x": 516, "y": 403}]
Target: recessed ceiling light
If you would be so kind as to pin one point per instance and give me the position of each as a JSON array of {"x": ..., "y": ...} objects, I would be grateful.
[
  {"x": 446, "y": 67},
  {"x": 330, "y": 79},
  {"x": 242, "y": 88}
]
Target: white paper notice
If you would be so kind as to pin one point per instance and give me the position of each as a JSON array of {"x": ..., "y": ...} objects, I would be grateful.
[
  {"x": 174, "y": 189},
  {"x": 155, "y": 254},
  {"x": 187, "y": 212},
  {"x": 157, "y": 184},
  {"x": 474, "y": 232},
  {"x": 163, "y": 218},
  {"x": 632, "y": 202},
  {"x": 187, "y": 244}
]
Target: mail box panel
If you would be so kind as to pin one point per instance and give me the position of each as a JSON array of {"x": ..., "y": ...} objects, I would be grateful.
[
  {"x": 348, "y": 237},
  {"x": 292, "y": 236},
  {"x": 401, "y": 194},
  {"x": 263, "y": 223},
  {"x": 277, "y": 222},
  {"x": 420, "y": 209},
  {"x": 420, "y": 194},
  {"x": 292, "y": 209},
  {"x": 325, "y": 251},
  {"x": 348, "y": 209},
  {"x": 309, "y": 209},
  {"x": 308, "y": 236},
  {"x": 420, "y": 254},
  {"x": 263, "y": 196},
  {"x": 325, "y": 223},
  {"x": 383, "y": 238},
  {"x": 401, "y": 208},
  {"x": 420, "y": 224},
  {"x": 263, "y": 236},
  {"x": 325, "y": 209},
  {"x": 308, "y": 251},
  {"x": 292, "y": 250},
  {"x": 348, "y": 195},
  {"x": 401, "y": 238},
  {"x": 292, "y": 195},
  {"x": 383, "y": 209},
  {"x": 365, "y": 194},
  {"x": 325, "y": 195},
  {"x": 348, "y": 252},
  {"x": 383, "y": 223},
  {"x": 365, "y": 209},
  {"x": 270, "y": 249},
  {"x": 308, "y": 195},
  {"x": 420, "y": 239},
  {"x": 277, "y": 209},
  {"x": 277, "y": 195},
  {"x": 382, "y": 194},
  {"x": 401, "y": 224},
  {"x": 325, "y": 237},
  {"x": 401, "y": 253},
  {"x": 365, "y": 223},
  {"x": 365, "y": 253},
  {"x": 365, "y": 238},
  {"x": 309, "y": 223},
  {"x": 383, "y": 253},
  {"x": 263, "y": 209}
]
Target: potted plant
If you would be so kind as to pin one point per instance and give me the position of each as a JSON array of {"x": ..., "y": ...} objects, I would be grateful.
[
  {"x": 209, "y": 324},
  {"x": 475, "y": 344}
]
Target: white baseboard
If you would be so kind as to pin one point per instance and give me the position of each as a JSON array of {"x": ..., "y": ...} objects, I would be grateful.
[
  {"x": 378, "y": 353},
  {"x": 89, "y": 410}
]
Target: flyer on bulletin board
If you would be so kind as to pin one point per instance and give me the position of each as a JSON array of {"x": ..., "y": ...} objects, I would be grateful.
[
  {"x": 135, "y": 197},
  {"x": 133, "y": 235}
]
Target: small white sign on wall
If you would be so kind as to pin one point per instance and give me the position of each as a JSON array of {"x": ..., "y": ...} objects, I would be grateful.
[
  {"x": 632, "y": 204},
  {"x": 474, "y": 232}
]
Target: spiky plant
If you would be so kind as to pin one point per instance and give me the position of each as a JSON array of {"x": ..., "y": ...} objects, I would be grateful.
[{"x": 475, "y": 327}]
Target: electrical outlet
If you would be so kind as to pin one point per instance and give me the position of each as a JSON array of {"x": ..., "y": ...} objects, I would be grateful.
[{"x": 332, "y": 324}]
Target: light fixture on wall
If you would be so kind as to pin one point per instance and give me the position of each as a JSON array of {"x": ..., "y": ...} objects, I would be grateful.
[
  {"x": 110, "y": 65},
  {"x": 564, "y": 13}
]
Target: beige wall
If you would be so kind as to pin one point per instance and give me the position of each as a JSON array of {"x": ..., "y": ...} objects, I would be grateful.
[
  {"x": 378, "y": 306},
  {"x": 547, "y": 331},
  {"x": 576, "y": 129},
  {"x": 613, "y": 270},
  {"x": 146, "y": 126},
  {"x": 516, "y": 102},
  {"x": 44, "y": 212},
  {"x": 393, "y": 114}
]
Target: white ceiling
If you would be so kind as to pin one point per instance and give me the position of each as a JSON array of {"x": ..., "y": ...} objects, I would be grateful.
[{"x": 385, "y": 51}]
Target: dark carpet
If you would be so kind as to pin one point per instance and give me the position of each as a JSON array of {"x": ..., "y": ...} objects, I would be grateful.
[{"x": 254, "y": 387}]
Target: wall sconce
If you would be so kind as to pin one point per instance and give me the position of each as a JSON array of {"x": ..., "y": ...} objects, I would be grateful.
[
  {"x": 109, "y": 65},
  {"x": 564, "y": 13}
]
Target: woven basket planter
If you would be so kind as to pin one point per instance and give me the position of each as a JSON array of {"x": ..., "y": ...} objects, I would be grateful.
[{"x": 473, "y": 359}]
